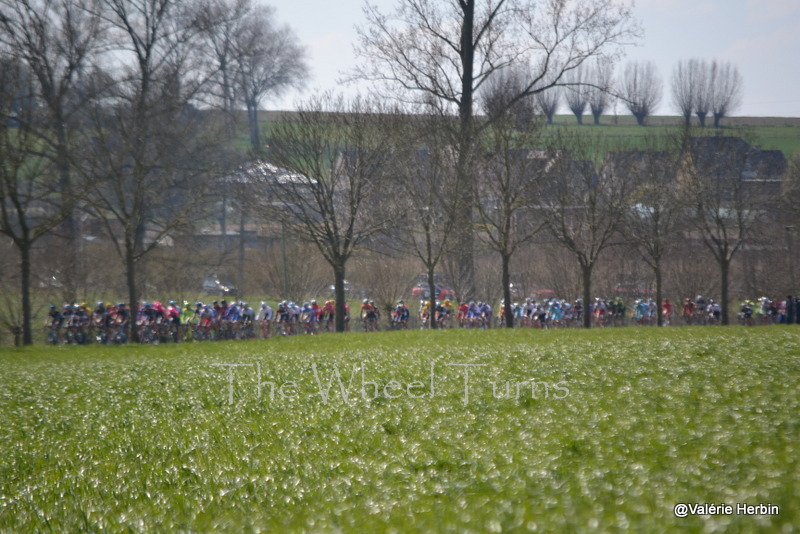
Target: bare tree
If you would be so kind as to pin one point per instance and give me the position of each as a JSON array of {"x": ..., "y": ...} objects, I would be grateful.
[
  {"x": 494, "y": 96},
  {"x": 583, "y": 208},
  {"x": 337, "y": 155},
  {"x": 601, "y": 76},
  {"x": 727, "y": 207},
  {"x": 441, "y": 53},
  {"x": 30, "y": 186},
  {"x": 57, "y": 40},
  {"x": 725, "y": 89},
  {"x": 655, "y": 213},
  {"x": 702, "y": 91},
  {"x": 219, "y": 22},
  {"x": 576, "y": 92},
  {"x": 641, "y": 89},
  {"x": 252, "y": 57},
  {"x": 790, "y": 216},
  {"x": 548, "y": 101},
  {"x": 269, "y": 61},
  {"x": 686, "y": 87},
  {"x": 508, "y": 182},
  {"x": 146, "y": 152},
  {"x": 426, "y": 198}
]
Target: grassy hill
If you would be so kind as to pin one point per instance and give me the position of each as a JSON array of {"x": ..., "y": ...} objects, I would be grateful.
[
  {"x": 770, "y": 133},
  {"x": 593, "y": 430}
]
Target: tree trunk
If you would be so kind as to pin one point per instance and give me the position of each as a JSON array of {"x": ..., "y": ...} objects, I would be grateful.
[
  {"x": 252, "y": 122},
  {"x": 133, "y": 296},
  {"x": 724, "y": 271},
  {"x": 596, "y": 118},
  {"x": 506, "y": 274},
  {"x": 70, "y": 269},
  {"x": 223, "y": 223},
  {"x": 586, "y": 271},
  {"x": 339, "y": 295},
  {"x": 240, "y": 274},
  {"x": 659, "y": 308},
  {"x": 25, "y": 274},
  {"x": 464, "y": 232},
  {"x": 701, "y": 115},
  {"x": 432, "y": 300}
]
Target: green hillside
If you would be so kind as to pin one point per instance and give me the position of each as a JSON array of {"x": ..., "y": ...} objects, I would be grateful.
[{"x": 769, "y": 133}]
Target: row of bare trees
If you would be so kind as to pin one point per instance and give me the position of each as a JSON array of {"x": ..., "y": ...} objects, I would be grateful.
[
  {"x": 119, "y": 112},
  {"x": 357, "y": 175},
  {"x": 100, "y": 110},
  {"x": 396, "y": 189},
  {"x": 699, "y": 87}
]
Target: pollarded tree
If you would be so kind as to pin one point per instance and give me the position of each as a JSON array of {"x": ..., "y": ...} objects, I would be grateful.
[
  {"x": 336, "y": 157},
  {"x": 725, "y": 89},
  {"x": 601, "y": 77},
  {"x": 686, "y": 82},
  {"x": 548, "y": 101},
  {"x": 576, "y": 92},
  {"x": 494, "y": 95},
  {"x": 641, "y": 89},
  {"x": 702, "y": 91},
  {"x": 441, "y": 53}
]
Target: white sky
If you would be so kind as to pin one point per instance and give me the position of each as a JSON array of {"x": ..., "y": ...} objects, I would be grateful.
[{"x": 760, "y": 37}]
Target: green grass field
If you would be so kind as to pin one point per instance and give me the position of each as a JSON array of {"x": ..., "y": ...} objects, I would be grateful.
[
  {"x": 625, "y": 424},
  {"x": 769, "y": 133}
]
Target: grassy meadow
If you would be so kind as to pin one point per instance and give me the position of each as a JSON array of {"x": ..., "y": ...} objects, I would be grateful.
[
  {"x": 602, "y": 430},
  {"x": 769, "y": 133}
]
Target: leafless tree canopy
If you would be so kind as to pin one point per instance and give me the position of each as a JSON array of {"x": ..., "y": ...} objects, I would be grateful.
[
  {"x": 702, "y": 87},
  {"x": 338, "y": 155},
  {"x": 727, "y": 205},
  {"x": 510, "y": 177},
  {"x": 30, "y": 204},
  {"x": 583, "y": 207},
  {"x": 252, "y": 57},
  {"x": 576, "y": 92},
  {"x": 655, "y": 214},
  {"x": 601, "y": 77},
  {"x": 499, "y": 96},
  {"x": 641, "y": 89},
  {"x": 448, "y": 50},
  {"x": 725, "y": 89},
  {"x": 686, "y": 82},
  {"x": 442, "y": 53},
  {"x": 548, "y": 102}
]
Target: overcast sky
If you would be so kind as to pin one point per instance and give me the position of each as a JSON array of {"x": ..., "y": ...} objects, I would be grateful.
[{"x": 760, "y": 37}]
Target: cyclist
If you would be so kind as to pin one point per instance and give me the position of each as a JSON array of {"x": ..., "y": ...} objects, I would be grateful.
[{"x": 264, "y": 319}]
